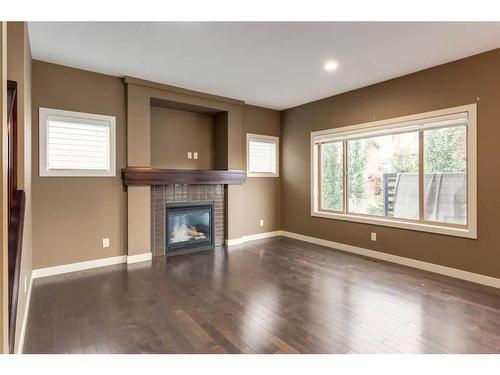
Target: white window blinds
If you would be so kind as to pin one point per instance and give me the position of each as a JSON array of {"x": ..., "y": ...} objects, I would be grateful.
[
  {"x": 76, "y": 144},
  {"x": 262, "y": 154}
]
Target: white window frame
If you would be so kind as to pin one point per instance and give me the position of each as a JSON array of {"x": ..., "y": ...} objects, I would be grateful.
[
  {"x": 263, "y": 138},
  {"x": 77, "y": 117},
  {"x": 468, "y": 231}
]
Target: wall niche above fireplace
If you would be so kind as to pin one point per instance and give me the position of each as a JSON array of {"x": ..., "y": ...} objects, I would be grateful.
[{"x": 186, "y": 136}]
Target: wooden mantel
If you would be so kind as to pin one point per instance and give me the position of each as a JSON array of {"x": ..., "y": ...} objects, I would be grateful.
[{"x": 143, "y": 176}]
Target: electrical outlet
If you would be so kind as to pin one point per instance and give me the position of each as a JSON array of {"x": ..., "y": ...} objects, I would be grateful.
[
  {"x": 105, "y": 242},
  {"x": 190, "y": 155},
  {"x": 261, "y": 222},
  {"x": 195, "y": 155},
  {"x": 374, "y": 236}
]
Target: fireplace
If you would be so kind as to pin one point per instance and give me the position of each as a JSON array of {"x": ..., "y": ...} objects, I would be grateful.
[
  {"x": 187, "y": 195},
  {"x": 189, "y": 227}
]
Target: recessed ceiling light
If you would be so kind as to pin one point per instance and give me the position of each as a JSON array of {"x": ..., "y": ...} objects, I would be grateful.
[{"x": 331, "y": 65}]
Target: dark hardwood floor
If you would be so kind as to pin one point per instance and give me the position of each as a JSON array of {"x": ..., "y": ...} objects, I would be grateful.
[{"x": 270, "y": 296}]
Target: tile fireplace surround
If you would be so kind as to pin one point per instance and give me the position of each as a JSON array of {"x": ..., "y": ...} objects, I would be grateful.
[{"x": 161, "y": 194}]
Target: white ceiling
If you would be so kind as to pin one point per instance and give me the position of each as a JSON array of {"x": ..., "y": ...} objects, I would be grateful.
[{"x": 274, "y": 65}]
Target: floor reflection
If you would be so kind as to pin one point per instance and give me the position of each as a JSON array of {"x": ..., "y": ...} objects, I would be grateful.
[{"x": 270, "y": 296}]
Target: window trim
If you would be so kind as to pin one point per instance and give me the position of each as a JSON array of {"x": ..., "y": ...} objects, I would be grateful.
[
  {"x": 45, "y": 113},
  {"x": 467, "y": 231},
  {"x": 264, "y": 138}
]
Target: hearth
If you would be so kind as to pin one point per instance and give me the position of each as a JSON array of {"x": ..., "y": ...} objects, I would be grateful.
[{"x": 188, "y": 227}]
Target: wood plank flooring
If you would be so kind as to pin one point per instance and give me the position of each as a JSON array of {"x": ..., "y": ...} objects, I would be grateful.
[{"x": 270, "y": 296}]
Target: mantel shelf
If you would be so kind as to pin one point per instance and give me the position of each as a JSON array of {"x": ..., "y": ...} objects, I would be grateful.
[{"x": 144, "y": 176}]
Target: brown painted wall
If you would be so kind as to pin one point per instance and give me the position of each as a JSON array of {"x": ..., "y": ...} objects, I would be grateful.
[
  {"x": 259, "y": 197},
  {"x": 19, "y": 70},
  {"x": 461, "y": 82},
  {"x": 174, "y": 133},
  {"x": 72, "y": 214},
  {"x": 220, "y": 140}
]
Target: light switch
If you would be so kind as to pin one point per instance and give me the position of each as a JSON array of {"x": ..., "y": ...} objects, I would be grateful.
[{"x": 195, "y": 155}]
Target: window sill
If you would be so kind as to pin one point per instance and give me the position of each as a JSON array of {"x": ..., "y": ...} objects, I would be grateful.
[
  {"x": 262, "y": 175},
  {"x": 401, "y": 224},
  {"x": 76, "y": 173}
]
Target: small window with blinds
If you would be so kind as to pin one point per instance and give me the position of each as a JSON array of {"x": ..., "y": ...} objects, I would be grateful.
[
  {"x": 76, "y": 144},
  {"x": 262, "y": 156}
]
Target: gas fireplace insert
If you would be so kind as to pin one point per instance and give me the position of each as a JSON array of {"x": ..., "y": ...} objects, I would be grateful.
[{"x": 188, "y": 227}]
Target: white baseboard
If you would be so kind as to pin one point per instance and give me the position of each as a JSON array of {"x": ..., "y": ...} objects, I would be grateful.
[
  {"x": 252, "y": 237},
  {"x": 72, "y": 267},
  {"x": 20, "y": 346},
  {"x": 139, "y": 258},
  {"x": 80, "y": 266},
  {"x": 431, "y": 267}
]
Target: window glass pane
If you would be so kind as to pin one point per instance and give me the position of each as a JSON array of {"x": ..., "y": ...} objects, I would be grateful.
[
  {"x": 77, "y": 146},
  {"x": 262, "y": 156},
  {"x": 445, "y": 181},
  {"x": 332, "y": 171},
  {"x": 383, "y": 175}
]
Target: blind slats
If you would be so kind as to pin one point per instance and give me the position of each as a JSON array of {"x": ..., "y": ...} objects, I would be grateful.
[{"x": 262, "y": 156}]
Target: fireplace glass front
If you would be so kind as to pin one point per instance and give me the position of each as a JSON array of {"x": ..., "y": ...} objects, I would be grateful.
[{"x": 189, "y": 227}]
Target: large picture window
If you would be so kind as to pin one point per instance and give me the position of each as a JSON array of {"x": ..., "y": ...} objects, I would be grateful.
[{"x": 416, "y": 172}]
